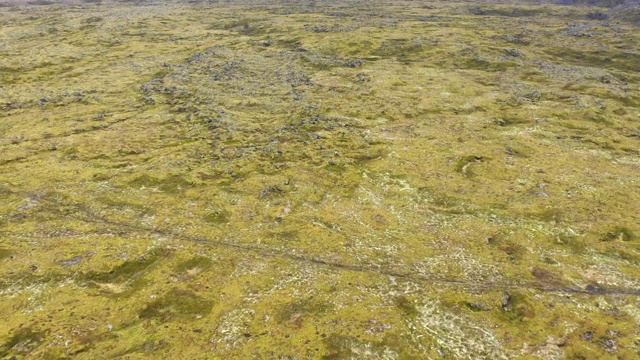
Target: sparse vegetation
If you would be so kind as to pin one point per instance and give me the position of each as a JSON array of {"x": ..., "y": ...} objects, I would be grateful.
[{"x": 331, "y": 180}]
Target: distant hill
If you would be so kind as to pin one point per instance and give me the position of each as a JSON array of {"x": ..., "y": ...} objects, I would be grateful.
[
  {"x": 628, "y": 12},
  {"x": 600, "y": 3},
  {"x": 615, "y": 10}
]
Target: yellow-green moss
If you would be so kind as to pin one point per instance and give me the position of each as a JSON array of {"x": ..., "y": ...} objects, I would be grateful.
[{"x": 317, "y": 180}]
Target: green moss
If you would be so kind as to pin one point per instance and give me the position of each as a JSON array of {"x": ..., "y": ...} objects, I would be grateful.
[
  {"x": 347, "y": 347},
  {"x": 126, "y": 271},
  {"x": 534, "y": 76},
  {"x": 621, "y": 233},
  {"x": 171, "y": 184},
  {"x": 551, "y": 214},
  {"x": 625, "y": 100},
  {"x": 517, "y": 307},
  {"x": 572, "y": 242},
  {"x": 21, "y": 343},
  {"x": 175, "y": 305},
  {"x": 200, "y": 263},
  {"x": 464, "y": 164},
  {"x": 507, "y": 120},
  {"x": 486, "y": 65},
  {"x": 546, "y": 276},
  {"x": 448, "y": 204},
  {"x": 407, "y": 306},
  {"x": 270, "y": 191},
  {"x": 4, "y": 253},
  {"x": 476, "y": 307},
  {"x": 101, "y": 177},
  {"x": 93, "y": 20},
  {"x": 618, "y": 60},
  {"x": 244, "y": 26},
  {"x": 339, "y": 347},
  {"x": 161, "y": 73},
  {"x": 519, "y": 151},
  {"x": 513, "y": 250},
  {"x": 629, "y": 255},
  {"x": 291, "y": 158},
  {"x": 146, "y": 347},
  {"x": 117, "y": 202},
  {"x": 218, "y": 217},
  {"x": 290, "y": 44},
  {"x": 290, "y": 235},
  {"x": 238, "y": 23},
  {"x": 508, "y": 12},
  {"x": 301, "y": 308},
  {"x": 402, "y": 49}
]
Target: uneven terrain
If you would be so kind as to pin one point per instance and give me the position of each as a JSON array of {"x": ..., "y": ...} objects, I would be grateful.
[{"x": 303, "y": 180}]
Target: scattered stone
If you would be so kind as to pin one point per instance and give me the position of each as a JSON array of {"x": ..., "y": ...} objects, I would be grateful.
[
  {"x": 609, "y": 345},
  {"x": 613, "y": 333},
  {"x": 579, "y": 30},
  {"x": 598, "y": 15},
  {"x": 271, "y": 190},
  {"x": 479, "y": 307},
  {"x": 506, "y": 300},
  {"x": 361, "y": 78},
  {"x": 73, "y": 261},
  {"x": 605, "y": 79},
  {"x": 515, "y": 53}
]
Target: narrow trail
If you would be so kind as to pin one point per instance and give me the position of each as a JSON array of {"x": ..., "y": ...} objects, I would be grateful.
[{"x": 127, "y": 228}]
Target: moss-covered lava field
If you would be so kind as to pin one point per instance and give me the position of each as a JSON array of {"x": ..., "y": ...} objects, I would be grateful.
[{"x": 319, "y": 180}]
